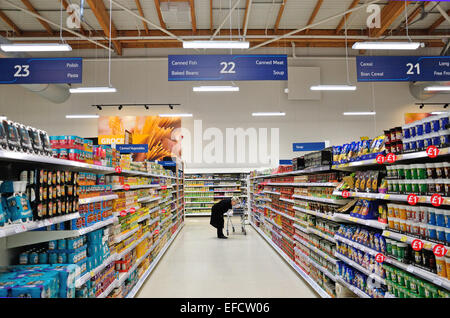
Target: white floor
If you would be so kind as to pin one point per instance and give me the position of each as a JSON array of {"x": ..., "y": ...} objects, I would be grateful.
[{"x": 198, "y": 265}]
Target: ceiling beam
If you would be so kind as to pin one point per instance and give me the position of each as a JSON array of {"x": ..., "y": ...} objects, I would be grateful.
[
  {"x": 158, "y": 11},
  {"x": 225, "y": 19},
  {"x": 389, "y": 14},
  {"x": 99, "y": 10},
  {"x": 65, "y": 5},
  {"x": 30, "y": 7},
  {"x": 280, "y": 14},
  {"x": 345, "y": 17},
  {"x": 414, "y": 14},
  {"x": 141, "y": 12},
  {"x": 248, "y": 6},
  {"x": 314, "y": 13},
  {"x": 437, "y": 23},
  {"x": 193, "y": 20},
  {"x": 9, "y": 22}
]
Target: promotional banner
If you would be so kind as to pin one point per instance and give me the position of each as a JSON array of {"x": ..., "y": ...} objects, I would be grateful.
[
  {"x": 412, "y": 117},
  {"x": 403, "y": 68},
  {"x": 41, "y": 70},
  {"x": 228, "y": 68},
  {"x": 160, "y": 135}
]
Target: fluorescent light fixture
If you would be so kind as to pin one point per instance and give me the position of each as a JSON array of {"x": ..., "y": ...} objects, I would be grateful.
[
  {"x": 35, "y": 47},
  {"x": 175, "y": 115},
  {"x": 215, "y": 89},
  {"x": 93, "y": 90},
  {"x": 286, "y": 90},
  {"x": 333, "y": 88},
  {"x": 438, "y": 88},
  {"x": 359, "y": 113},
  {"x": 81, "y": 116},
  {"x": 216, "y": 44},
  {"x": 438, "y": 113},
  {"x": 387, "y": 45},
  {"x": 268, "y": 114}
]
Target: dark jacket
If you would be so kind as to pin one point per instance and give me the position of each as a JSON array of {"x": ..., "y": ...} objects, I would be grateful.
[{"x": 217, "y": 212}]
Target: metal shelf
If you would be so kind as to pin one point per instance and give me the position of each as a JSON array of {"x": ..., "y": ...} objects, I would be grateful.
[
  {"x": 323, "y": 270},
  {"x": 281, "y": 213},
  {"x": 197, "y": 214},
  {"x": 322, "y": 235},
  {"x": 305, "y": 184},
  {"x": 319, "y": 214},
  {"x": 132, "y": 246},
  {"x": 370, "y": 223},
  {"x": 297, "y": 172},
  {"x": 14, "y": 229},
  {"x": 83, "y": 279},
  {"x": 304, "y": 275},
  {"x": 148, "y": 199},
  {"x": 98, "y": 199},
  {"x": 428, "y": 245},
  {"x": 311, "y": 198},
  {"x": 34, "y": 237},
  {"x": 358, "y": 246},
  {"x": 124, "y": 236},
  {"x": 108, "y": 290},
  {"x": 138, "y": 186}
]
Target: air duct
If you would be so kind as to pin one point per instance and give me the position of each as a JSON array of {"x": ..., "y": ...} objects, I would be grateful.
[
  {"x": 56, "y": 93},
  {"x": 417, "y": 89}
]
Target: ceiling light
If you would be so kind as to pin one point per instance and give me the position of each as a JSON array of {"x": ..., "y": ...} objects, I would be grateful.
[
  {"x": 216, "y": 44},
  {"x": 93, "y": 90},
  {"x": 438, "y": 113},
  {"x": 437, "y": 88},
  {"x": 359, "y": 113},
  {"x": 175, "y": 115},
  {"x": 286, "y": 90},
  {"x": 268, "y": 114},
  {"x": 81, "y": 116},
  {"x": 36, "y": 47},
  {"x": 387, "y": 45},
  {"x": 216, "y": 89},
  {"x": 333, "y": 88}
]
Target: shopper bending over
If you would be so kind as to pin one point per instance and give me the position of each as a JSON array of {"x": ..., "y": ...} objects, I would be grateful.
[{"x": 217, "y": 212}]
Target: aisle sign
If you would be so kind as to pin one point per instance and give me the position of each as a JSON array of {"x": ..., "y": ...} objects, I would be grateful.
[
  {"x": 308, "y": 146},
  {"x": 132, "y": 148},
  {"x": 227, "y": 68},
  {"x": 41, "y": 70},
  {"x": 403, "y": 68}
]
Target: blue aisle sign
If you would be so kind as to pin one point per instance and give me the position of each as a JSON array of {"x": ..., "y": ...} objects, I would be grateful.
[
  {"x": 285, "y": 162},
  {"x": 228, "y": 68},
  {"x": 308, "y": 146},
  {"x": 135, "y": 148},
  {"x": 41, "y": 70},
  {"x": 167, "y": 163},
  {"x": 403, "y": 68}
]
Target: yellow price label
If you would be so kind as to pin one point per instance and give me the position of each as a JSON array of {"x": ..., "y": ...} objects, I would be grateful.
[
  {"x": 447, "y": 201},
  {"x": 422, "y": 199},
  {"x": 92, "y": 273},
  {"x": 387, "y": 196},
  {"x": 403, "y": 239},
  {"x": 427, "y": 246},
  {"x": 387, "y": 233},
  {"x": 353, "y": 219}
]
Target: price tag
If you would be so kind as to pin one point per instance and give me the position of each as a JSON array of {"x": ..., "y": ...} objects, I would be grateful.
[
  {"x": 163, "y": 187},
  {"x": 126, "y": 187},
  {"x": 157, "y": 232},
  {"x": 18, "y": 230},
  {"x": 92, "y": 273},
  {"x": 381, "y": 159},
  {"x": 413, "y": 199},
  {"x": 345, "y": 194},
  {"x": 387, "y": 196},
  {"x": 410, "y": 269},
  {"x": 417, "y": 245},
  {"x": 427, "y": 246},
  {"x": 403, "y": 239},
  {"x": 123, "y": 213},
  {"x": 437, "y": 282},
  {"x": 432, "y": 151},
  {"x": 119, "y": 169},
  {"x": 391, "y": 158},
  {"x": 439, "y": 250},
  {"x": 132, "y": 210},
  {"x": 436, "y": 200},
  {"x": 386, "y": 233},
  {"x": 380, "y": 258}
]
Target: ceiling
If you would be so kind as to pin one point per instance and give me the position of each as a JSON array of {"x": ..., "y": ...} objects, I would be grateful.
[{"x": 164, "y": 24}]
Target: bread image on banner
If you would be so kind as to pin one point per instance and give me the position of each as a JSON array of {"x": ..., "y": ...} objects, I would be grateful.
[{"x": 154, "y": 131}]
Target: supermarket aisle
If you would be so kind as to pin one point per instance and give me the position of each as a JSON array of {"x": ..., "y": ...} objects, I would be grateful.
[{"x": 200, "y": 265}]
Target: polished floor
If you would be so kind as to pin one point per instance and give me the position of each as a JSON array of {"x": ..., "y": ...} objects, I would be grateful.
[{"x": 199, "y": 265}]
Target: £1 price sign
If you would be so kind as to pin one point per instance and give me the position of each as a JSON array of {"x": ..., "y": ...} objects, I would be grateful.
[
  {"x": 417, "y": 245},
  {"x": 413, "y": 199},
  {"x": 123, "y": 213},
  {"x": 380, "y": 258},
  {"x": 126, "y": 187},
  {"x": 345, "y": 194},
  {"x": 436, "y": 200},
  {"x": 432, "y": 151},
  {"x": 119, "y": 169},
  {"x": 132, "y": 210},
  {"x": 164, "y": 187},
  {"x": 439, "y": 250},
  {"x": 391, "y": 158},
  {"x": 381, "y": 159}
]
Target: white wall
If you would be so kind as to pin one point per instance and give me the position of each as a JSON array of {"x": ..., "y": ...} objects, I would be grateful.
[{"x": 145, "y": 81}]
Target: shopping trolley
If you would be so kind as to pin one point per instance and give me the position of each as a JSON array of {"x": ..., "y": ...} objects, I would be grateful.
[{"x": 237, "y": 211}]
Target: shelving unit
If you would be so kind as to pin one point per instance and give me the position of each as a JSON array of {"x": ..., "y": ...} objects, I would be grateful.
[{"x": 208, "y": 188}]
